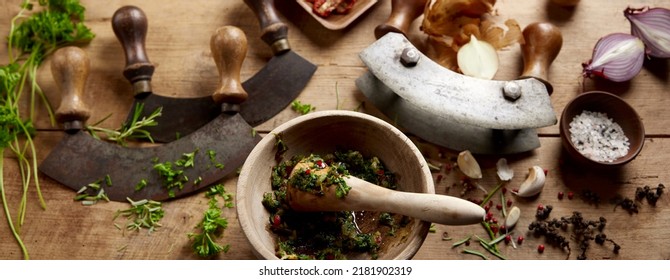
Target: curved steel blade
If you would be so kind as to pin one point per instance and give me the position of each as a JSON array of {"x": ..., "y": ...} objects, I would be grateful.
[
  {"x": 270, "y": 90},
  {"x": 179, "y": 116},
  {"x": 80, "y": 159},
  {"x": 275, "y": 86},
  {"x": 446, "y": 94},
  {"x": 443, "y": 130}
]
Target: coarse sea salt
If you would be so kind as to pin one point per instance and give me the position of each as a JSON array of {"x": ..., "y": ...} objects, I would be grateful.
[{"x": 598, "y": 137}]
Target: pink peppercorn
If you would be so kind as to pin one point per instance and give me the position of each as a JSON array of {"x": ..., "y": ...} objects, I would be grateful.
[
  {"x": 560, "y": 195},
  {"x": 540, "y": 248}
]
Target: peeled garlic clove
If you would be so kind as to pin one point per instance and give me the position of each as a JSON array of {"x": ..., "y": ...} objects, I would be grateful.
[
  {"x": 468, "y": 165},
  {"x": 504, "y": 172},
  {"x": 533, "y": 184},
  {"x": 478, "y": 59},
  {"x": 512, "y": 217}
]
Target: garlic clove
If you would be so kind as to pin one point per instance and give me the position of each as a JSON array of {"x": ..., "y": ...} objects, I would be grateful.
[
  {"x": 533, "y": 184},
  {"x": 505, "y": 173},
  {"x": 512, "y": 217},
  {"x": 468, "y": 165},
  {"x": 478, "y": 59}
]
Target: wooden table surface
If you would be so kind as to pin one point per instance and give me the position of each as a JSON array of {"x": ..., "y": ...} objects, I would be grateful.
[{"x": 178, "y": 43}]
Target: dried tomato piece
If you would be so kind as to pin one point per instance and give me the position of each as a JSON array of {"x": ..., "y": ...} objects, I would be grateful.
[{"x": 324, "y": 8}]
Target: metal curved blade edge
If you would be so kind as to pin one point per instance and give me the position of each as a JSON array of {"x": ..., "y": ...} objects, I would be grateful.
[
  {"x": 80, "y": 159},
  {"x": 275, "y": 86},
  {"x": 443, "y": 131},
  {"x": 179, "y": 116}
]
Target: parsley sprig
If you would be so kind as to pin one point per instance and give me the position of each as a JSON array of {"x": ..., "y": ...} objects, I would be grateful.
[
  {"x": 213, "y": 224},
  {"x": 34, "y": 35}
]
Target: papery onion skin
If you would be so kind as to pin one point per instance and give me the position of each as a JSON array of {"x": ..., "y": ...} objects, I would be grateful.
[
  {"x": 617, "y": 57},
  {"x": 652, "y": 26}
]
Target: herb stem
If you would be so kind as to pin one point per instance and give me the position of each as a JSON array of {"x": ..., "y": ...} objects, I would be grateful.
[
  {"x": 476, "y": 253},
  {"x": 462, "y": 241},
  {"x": 488, "y": 197},
  {"x": 6, "y": 208}
]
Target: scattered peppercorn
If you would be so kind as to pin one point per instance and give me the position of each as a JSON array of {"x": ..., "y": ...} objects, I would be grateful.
[
  {"x": 560, "y": 195},
  {"x": 509, "y": 203},
  {"x": 543, "y": 212},
  {"x": 582, "y": 231},
  {"x": 591, "y": 196},
  {"x": 519, "y": 240},
  {"x": 652, "y": 195},
  {"x": 628, "y": 205},
  {"x": 540, "y": 248},
  {"x": 571, "y": 195}
]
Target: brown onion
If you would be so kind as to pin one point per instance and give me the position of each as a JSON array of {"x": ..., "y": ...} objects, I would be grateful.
[
  {"x": 652, "y": 26},
  {"x": 617, "y": 57}
]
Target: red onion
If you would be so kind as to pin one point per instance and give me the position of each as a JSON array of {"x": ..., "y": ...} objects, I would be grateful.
[
  {"x": 652, "y": 26},
  {"x": 617, "y": 57}
]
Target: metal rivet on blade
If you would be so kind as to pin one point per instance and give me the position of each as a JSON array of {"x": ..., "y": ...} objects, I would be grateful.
[
  {"x": 512, "y": 90},
  {"x": 410, "y": 57}
]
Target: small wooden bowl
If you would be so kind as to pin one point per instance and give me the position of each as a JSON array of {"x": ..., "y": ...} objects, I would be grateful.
[
  {"x": 618, "y": 110},
  {"x": 335, "y": 21},
  {"x": 321, "y": 133}
]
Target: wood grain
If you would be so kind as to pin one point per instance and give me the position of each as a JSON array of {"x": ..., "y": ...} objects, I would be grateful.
[{"x": 178, "y": 43}]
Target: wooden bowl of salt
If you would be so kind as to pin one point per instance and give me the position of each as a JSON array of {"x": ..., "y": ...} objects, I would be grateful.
[{"x": 599, "y": 129}]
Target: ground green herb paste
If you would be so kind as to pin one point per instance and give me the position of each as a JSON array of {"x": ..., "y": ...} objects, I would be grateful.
[{"x": 330, "y": 235}]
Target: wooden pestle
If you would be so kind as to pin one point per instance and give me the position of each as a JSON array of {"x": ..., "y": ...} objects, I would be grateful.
[{"x": 364, "y": 196}]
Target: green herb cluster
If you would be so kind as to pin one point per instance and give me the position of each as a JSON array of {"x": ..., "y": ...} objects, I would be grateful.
[
  {"x": 302, "y": 108},
  {"x": 213, "y": 224},
  {"x": 327, "y": 235},
  {"x": 172, "y": 173},
  {"x": 87, "y": 198},
  {"x": 34, "y": 34},
  {"x": 142, "y": 214},
  {"x": 129, "y": 130}
]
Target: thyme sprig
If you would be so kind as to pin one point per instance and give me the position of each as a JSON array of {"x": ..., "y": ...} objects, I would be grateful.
[{"x": 129, "y": 130}]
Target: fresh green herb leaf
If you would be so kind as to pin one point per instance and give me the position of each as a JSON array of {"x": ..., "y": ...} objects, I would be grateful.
[
  {"x": 142, "y": 214},
  {"x": 301, "y": 108},
  {"x": 212, "y": 224},
  {"x": 143, "y": 183},
  {"x": 132, "y": 130}
]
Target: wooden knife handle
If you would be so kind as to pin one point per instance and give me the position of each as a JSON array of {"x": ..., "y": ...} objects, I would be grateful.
[
  {"x": 229, "y": 48},
  {"x": 403, "y": 13},
  {"x": 273, "y": 31},
  {"x": 70, "y": 67},
  {"x": 130, "y": 27},
  {"x": 543, "y": 42}
]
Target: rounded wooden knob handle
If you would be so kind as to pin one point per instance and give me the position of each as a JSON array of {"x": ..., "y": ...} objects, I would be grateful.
[
  {"x": 70, "y": 67},
  {"x": 403, "y": 13},
  {"x": 229, "y": 48},
  {"x": 130, "y": 27},
  {"x": 543, "y": 42},
  {"x": 273, "y": 31}
]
